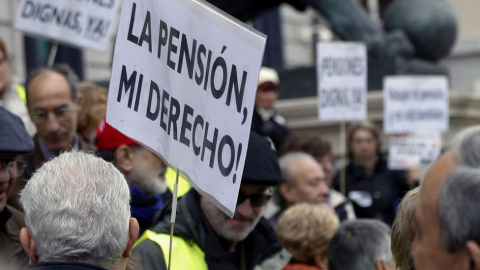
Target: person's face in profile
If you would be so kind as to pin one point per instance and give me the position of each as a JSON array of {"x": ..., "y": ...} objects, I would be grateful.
[{"x": 427, "y": 248}]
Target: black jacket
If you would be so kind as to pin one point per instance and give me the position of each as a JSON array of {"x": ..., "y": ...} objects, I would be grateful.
[
  {"x": 65, "y": 266},
  {"x": 191, "y": 224},
  {"x": 384, "y": 187},
  {"x": 11, "y": 252},
  {"x": 277, "y": 132}
]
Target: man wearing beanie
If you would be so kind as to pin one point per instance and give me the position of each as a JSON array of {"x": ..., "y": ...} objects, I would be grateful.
[
  {"x": 14, "y": 143},
  {"x": 265, "y": 120},
  {"x": 143, "y": 170},
  {"x": 206, "y": 238}
]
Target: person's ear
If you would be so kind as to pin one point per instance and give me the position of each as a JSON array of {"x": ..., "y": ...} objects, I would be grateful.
[
  {"x": 379, "y": 264},
  {"x": 474, "y": 252},
  {"x": 79, "y": 101},
  {"x": 133, "y": 231},
  {"x": 28, "y": 245},
  {"x": 124, "y": 159},
  {"x": 288, "y": 193},
  {"x": 321, "y": 260}
]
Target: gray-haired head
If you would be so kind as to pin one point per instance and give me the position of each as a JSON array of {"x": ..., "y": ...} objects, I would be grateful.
[
  {"x": 285, "y": 162},
  {"x": 62, "y": 69},
  {"x": 458, "y": 198},
  {"x": 77, "y": 209},
  {"x": 287, "y": 177},
  {"x": 358, "y": 244}
]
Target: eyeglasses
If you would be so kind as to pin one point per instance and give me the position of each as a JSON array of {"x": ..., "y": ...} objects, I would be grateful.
[
  {"x": 256, "y": 200},
  {"x": 40, "y": 116},
  {"x": 15, "y": 168}
]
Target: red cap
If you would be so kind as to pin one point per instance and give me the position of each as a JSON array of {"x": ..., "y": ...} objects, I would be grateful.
[{"x": 109, "y": 138}]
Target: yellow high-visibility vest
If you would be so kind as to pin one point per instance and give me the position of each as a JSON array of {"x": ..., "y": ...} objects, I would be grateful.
[
  {"x": 21, "y": 93},
  {"x": 185, "y": 254},
  {"x": 170, "y": 178}
]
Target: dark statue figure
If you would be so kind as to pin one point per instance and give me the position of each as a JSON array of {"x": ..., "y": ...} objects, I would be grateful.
[{"x": 415, "y": 34}]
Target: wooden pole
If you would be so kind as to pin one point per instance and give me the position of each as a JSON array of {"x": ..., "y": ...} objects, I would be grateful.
[
  {"x": 172, "y": 219},
  {"x": 343, "y": 159},
  {"x": 53, "y": 53}
]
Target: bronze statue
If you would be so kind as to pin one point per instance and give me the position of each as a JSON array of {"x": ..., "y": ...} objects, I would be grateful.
[{"x": 415, "y": 34}]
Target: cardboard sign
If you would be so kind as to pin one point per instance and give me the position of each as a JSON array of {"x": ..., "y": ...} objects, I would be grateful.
[
  {"x": 342, "y": 81},
  {"x": 413, "y": 150},
  {"x": 183, "y": 84},
  {"x": 82, "y": 23},
  {"x": 413, "y": 103}
]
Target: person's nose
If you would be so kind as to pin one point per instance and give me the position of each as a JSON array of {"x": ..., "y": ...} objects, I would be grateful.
[
  {"x": 323, "y": 187},
  {"x": 52, "y": 122},
  {"x": 4, "y": 175},
  {"x": 245, "y": 208}
]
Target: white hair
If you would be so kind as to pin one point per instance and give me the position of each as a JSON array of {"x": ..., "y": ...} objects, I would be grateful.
[{"x": 77, "y": 207}]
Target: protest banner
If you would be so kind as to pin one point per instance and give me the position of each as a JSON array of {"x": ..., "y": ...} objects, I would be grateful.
[
  {"x": 342, "y": 81},
  {"x": 81, "y": 23},
  {"x": 413, "y": 150},
  {"x": 183, "y": 84},
  {"x": 341, "y": 87},
  {"x": 413, "y": 103}
]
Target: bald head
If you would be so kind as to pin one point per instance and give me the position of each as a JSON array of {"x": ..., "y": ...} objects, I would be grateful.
[
  {"x": 447, "y": 223},
  {"x": 303, "y": 179}
]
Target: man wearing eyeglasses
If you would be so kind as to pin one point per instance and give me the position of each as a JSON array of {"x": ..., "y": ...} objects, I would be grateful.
[
  {"x": 14, "y": 143},
  {"x": 206, "y": 238},
  {"x": 53, "y": 104}
]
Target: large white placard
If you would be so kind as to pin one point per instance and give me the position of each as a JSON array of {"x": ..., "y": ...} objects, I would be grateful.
[
  {"x": 413, "y": 103},
  {"x": 82, "y": 23},
  {"x": 413, "y": 150},
  {"x": 184, "y": 78},
  {"x": 342, "y": 81}
]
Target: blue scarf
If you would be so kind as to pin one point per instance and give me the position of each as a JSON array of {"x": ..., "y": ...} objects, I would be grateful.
[{"x": 144, "y": 207}]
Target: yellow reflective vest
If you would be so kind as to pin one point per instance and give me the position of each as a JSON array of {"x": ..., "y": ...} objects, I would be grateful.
[
  {"x": 185, "y": 254},
  {"x": 21, "y": 92}
]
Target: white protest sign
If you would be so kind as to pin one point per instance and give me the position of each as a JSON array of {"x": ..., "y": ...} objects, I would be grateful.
[
  {"x": 413, "y": 103},
  {"x": 342, "y": 81},
  {"x": 183, "y": 83},
  {"x": 413, "y": 150},
  {"x": 82, "y": 23}
]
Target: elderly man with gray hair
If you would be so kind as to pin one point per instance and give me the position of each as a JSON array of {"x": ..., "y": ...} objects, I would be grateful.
[
  {"x": 362, "y": 244},
  {"x": 303, "y": 180},
  {"x": 446, "y": 212},
  {"x": 77, "y": 214}
]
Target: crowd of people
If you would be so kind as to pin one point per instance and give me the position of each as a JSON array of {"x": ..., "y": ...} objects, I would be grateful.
[{"x": 75, "y": 193}]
